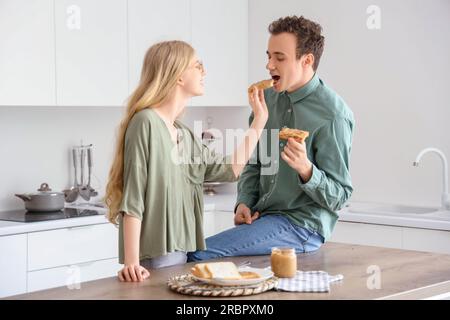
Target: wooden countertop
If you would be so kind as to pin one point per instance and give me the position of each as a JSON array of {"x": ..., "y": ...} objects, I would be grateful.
[{"x": 401, "y": 270}]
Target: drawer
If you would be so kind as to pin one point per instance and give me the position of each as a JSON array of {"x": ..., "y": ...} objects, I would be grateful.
[
  {"x": 72, "y": 276},
  {"x": 13, "y": 265},
  {"x": 63, "y": 247}
]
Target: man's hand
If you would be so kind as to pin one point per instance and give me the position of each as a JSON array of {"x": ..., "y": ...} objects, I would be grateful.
[
  {"x": 244, "y": 215},
  {"x": 294, "y": 153}
]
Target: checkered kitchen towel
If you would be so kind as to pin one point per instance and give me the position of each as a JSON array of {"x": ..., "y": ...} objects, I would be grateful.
[{"x": 308, "y": 281}]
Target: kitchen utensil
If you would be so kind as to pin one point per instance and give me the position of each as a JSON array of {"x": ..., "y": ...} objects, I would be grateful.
[
  {"x": 72, "y": 194},
  {"x": 43, "y": 201},
  {"x": 92, "y": 191},
  {"x": 87, "y": 191},
  {"x": 84, "y": 191}
]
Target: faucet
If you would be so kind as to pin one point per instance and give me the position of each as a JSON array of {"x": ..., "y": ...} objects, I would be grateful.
[{"x": 445, "y": 198}]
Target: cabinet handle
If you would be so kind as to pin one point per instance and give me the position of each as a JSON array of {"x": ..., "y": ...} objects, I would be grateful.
[{"x": 82, "y": 227}]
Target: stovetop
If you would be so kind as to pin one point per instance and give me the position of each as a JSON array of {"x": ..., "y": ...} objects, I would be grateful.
[{"x": 25, "y": 216}]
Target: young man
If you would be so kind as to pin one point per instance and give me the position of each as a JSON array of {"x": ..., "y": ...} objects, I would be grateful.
[{"x": 296, "y": 205}]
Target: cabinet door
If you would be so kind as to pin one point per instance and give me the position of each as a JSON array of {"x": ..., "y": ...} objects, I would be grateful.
[
  {"x": 151, "y": 21},
  {"x": 13, "y": 265},
  {"x": 426, "y": 240},
  {"x": 367, "y": 234},
  {"x": 208, "y": 223},
  {"x": 91, "y": 52},
  {"x": 223, "y": 220},
  {"x": 27, "y": 52},
  {"x": 63, "y": 247},
  {"x": 72, "y": 276},
  {"x": 220, "y": 36}
]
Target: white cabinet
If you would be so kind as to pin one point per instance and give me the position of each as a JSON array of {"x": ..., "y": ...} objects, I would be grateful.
[
  {"x": 72, "y": 276},
  {"x": 63, "y": 247},
  {"x": 426, "y": 240},
  {"x": 215, "y": 222},
  {"x": 13, "y": 265},
  {"x": 392, "y": 237},
  {"x": 27, "y": 52},
  {"x": 220, "y": 36},
  {"x": 151, "y": 21},
  {"x": 208, "y": 223},
  {"x": 91, "y": 52},
  {"x": 223, "y": 220},
  {"x": 367, "y": 234}
]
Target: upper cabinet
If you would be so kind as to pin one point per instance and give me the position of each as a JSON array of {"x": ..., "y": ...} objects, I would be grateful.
[
  {"x": 27, "y": 52},
  {"x": 91, "y": 52},
  {"x": 151, "y": 21},
  {"x": 220, "y": 36}
]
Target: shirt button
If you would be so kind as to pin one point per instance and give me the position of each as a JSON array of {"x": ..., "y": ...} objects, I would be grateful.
[
  {"x": 289, "y": 110},
  {"x": 272, "y": 181},
  {"x": 281, "y": 144}
]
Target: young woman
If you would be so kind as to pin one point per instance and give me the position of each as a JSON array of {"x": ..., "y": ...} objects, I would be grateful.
[{"x": 154, "y": 192}]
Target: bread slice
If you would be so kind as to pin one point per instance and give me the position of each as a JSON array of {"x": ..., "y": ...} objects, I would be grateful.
[
  {"x": 222, "y": 270},
  {"x": 200, "y": 271},
  {"x": 298, "y": 135},
  {"x": 261, "y": 85}
]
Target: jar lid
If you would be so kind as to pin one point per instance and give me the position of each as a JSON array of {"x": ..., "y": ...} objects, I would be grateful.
[{"x": 283, "y": 250}]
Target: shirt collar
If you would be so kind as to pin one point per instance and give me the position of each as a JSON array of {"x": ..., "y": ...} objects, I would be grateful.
[{"x": 304, "y": 91}]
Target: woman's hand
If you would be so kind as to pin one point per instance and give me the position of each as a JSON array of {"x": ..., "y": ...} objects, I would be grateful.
[
  {"x": 258, "y": 104},
  {"x": 133, "y": 273},
  {"x": 260, "y": 115}
]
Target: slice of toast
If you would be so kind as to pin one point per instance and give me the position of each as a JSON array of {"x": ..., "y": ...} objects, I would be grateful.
[
  {"x": 261, "y": 85},
  {"x": 200, "y": 271},
  {"x": 298, "y": 135},
  {"x": 223, "y": 270}
]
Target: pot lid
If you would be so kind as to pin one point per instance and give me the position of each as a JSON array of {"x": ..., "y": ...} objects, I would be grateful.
[{"x": 45, "y": 190}]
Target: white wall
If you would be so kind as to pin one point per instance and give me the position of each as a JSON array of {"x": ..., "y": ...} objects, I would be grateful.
[{"x": 396, "y": 81}]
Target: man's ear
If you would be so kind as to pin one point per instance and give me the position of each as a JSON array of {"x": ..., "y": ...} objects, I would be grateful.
[{"x": 308, "y": 60}]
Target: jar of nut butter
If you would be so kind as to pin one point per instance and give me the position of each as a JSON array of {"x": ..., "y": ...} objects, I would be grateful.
[{"x": 283, "y": 262}]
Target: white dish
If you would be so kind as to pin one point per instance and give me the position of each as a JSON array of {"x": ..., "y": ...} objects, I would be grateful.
[{"x": 264, "y": 274}]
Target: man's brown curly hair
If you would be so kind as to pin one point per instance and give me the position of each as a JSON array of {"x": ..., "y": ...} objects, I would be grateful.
[{"x": 307, "y": 32}]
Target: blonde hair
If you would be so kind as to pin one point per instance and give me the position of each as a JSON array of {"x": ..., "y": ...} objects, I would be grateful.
[{"x": 164, "y": 63}]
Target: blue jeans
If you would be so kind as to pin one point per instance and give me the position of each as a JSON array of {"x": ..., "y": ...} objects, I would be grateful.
[{"x": 258, "y": 238}]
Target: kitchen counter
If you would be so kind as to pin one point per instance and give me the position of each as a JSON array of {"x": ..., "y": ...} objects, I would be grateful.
[
  {"x": 358, "y": 212},
  {"x": 12, "y": 227},
  {"x": 426, "y": 274},
  {"x": 223, "y": 201}
]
